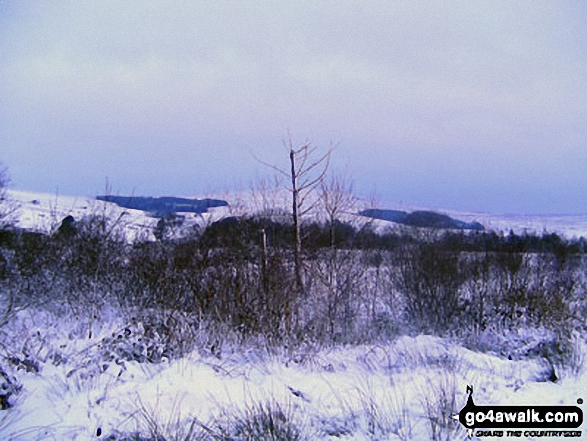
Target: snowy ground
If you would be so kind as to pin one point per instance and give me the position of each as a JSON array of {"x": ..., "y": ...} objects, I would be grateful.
[
  {"x": 394, "y": 391},
  {"x": 402, "y": 390}
]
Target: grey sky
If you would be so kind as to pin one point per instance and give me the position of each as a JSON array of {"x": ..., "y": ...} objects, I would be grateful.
[{"x": 468, "y": 105}]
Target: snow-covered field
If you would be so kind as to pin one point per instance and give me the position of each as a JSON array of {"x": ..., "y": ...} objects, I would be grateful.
[
  {"x": 406, "y": 389},
  {"x": 402, "y": 390},
  {"x": 569, "y": 226}
]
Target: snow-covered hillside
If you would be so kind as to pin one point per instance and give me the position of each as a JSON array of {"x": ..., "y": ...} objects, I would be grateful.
[{"x": 44, "y": 211}]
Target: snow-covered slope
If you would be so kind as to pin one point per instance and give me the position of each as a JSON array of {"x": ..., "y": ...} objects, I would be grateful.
[
  {"x": 395, "y": 392},
  {"x": 44, "y": 211}
]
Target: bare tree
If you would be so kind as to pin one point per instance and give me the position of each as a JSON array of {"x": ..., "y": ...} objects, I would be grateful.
[
  {"x": 266, "y": 193},
  {"x": 307, "y": 169},
  {"x": 7, "y": 207},
  {"x": 336, "y": 199}
]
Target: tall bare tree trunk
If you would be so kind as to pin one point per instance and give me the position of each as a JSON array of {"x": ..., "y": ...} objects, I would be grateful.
[{"x": 296, "y": 222}]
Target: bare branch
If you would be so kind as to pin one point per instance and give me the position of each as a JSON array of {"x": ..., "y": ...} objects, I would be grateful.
[{"x": 277, "y": 169}]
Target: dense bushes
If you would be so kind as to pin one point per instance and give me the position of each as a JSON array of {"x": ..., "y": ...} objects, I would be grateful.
[
  {"x": 361, "y": 285},
  {"x": 429, "y": 279}
]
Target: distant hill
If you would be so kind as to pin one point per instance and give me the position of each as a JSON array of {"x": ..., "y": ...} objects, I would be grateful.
[
  {"x": 41, "y": 211},
  {"x": 164, "y": 206},
  {"x": 424, "y": 219}
]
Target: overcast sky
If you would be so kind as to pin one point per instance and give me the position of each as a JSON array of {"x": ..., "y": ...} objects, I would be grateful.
[{"x": 467, "y": 105}]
